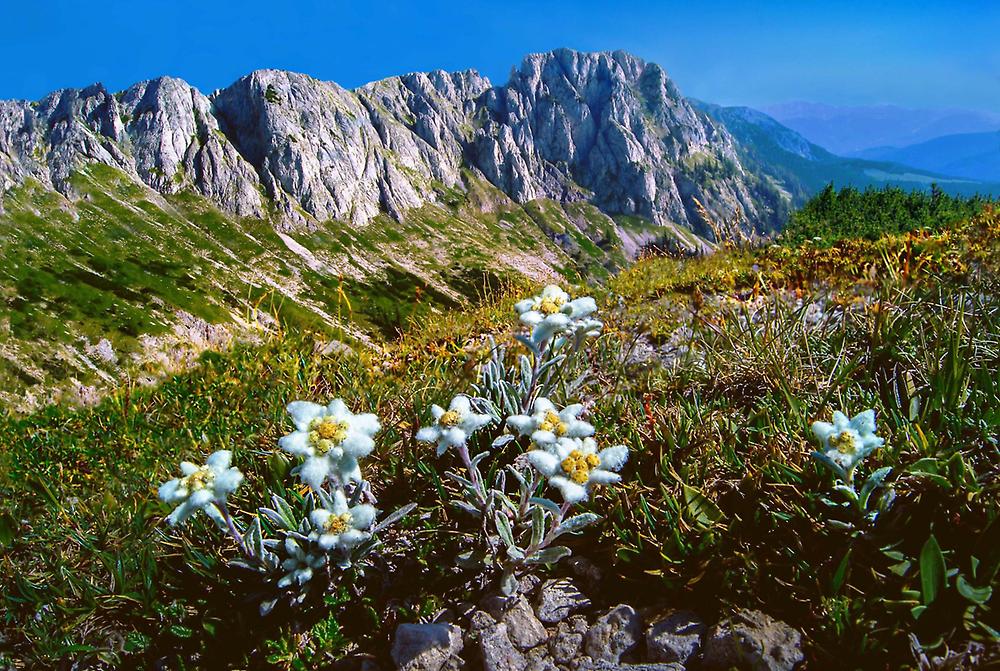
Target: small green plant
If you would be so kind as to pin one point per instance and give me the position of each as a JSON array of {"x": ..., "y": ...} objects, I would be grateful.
[{"x": 846, "y": 442}]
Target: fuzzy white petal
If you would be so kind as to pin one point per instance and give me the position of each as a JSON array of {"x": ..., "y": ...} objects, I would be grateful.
[
  {"x": 429, "y": 434},
  {"x": 613, "y": 458},
  {"x": 545, "y": 462},
  {"x": 296, "y": 443},
  {"x": 314, "y": 471},
  {"x": 367, "y": 423},
  {"x": 304, "y": 412},
  {"x": 571, "y": 492},
  {"x": 362, "y": 516},
  {"x": 358, "y": 444},
  {"x": 219, "y": 460}
]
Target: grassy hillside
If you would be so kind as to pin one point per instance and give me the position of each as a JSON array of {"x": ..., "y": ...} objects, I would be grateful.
[
  {"x": 711, "y": 371},
  {"x": 122, "y": 281}
]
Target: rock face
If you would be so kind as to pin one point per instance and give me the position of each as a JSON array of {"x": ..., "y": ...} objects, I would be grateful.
[
  {"x": 558, "y": 599},
  {"x": 753, "y": 640},
  {"x": 616, "y": 633},
  {"x": 600, "y": 127},
  {"x": 425, "y": 647},
  {"x": 675, "y": 638}
]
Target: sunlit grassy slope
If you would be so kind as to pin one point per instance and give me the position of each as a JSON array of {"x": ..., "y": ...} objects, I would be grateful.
[
  {"x": 710, "y": 369},
  {"x": 157, "y": 275}
]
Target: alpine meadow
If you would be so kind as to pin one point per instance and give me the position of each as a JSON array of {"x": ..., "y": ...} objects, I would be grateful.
[{"x": 566, "y": 373}]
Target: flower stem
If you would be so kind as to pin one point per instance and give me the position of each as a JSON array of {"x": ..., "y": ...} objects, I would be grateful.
[
  {"x": 234, "y": 532},
  {"x": 463, "y": 452},
  {"x": 528, "y": 399}
]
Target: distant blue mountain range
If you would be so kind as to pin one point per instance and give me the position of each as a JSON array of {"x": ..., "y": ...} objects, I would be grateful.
[
  {"x": 802, "y": 167},
  {"x": 845, "y": 131},
  {"x": 971, "y": 155}
]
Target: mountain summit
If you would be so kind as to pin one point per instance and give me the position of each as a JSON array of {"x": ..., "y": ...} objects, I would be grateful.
[{"x": 606, "y": 128}]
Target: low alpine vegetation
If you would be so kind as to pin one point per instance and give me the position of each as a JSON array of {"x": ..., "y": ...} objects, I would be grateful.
[{"x": 810, "y": 429}]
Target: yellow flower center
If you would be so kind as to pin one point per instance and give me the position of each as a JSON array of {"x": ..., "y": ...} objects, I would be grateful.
[
  {"x": 450, "y": 418},
  {"x": 844, "y": 442},
  {"x": 200, "y": 479},
  {"x": 553, "y": 423},
  {"x": 326, "y": 433},
  {"x": 337, "y": 524},
  {"x": 579, "y": 465},
  {"x": 550, "y": 306}
]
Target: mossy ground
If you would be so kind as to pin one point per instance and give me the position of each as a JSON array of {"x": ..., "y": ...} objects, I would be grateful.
[{"x": 721, "y": 504}]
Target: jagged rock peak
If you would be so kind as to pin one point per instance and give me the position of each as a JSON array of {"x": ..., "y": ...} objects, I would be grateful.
[{"x": 604, "y": 127}]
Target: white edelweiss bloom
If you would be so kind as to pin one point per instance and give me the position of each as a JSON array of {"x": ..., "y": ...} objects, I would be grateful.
[
  {"x": 300, "y": 564},
  {"x": 584, "y": 328},
  {"x": 546, "y": 424},
  {"x": 847, "y": 441},
  {"x": 331, "y": 439},
  {"x": 201, "y": 488},
  {"x": 342, "y": 527},
  {"x": 552, "y": 313},
  {"x": 551, "y": 301},
  {"x": 452, "y": 427},
  {"x": 572, "y": 465},
  {"x": 581, "y": 308},
  {"x": 548, "y": 313}
]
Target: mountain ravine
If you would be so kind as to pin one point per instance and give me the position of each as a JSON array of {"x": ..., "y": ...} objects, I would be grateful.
[{"x": 603, "y": 128}]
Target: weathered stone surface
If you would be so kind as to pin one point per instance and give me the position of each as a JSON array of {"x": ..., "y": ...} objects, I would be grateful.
[
  {"x": 675, "y": 638},
  {"x": 566, "y": 642},
  {"x": 752, "y": 640},
  {"x": 608, "y": 666},
  {"x": 558, "y": 599},
  {"x": 616, "y": 633},
  {"x": 525, "y": 630},
  {"x": 498, "y": 653},
  {"x": 539, "y": 660},
  {"x": 425, "y": 647},
  {"x": 606, "y": 128}
]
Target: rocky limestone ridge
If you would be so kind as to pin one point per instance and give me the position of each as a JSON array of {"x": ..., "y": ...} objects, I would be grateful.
[{"x": 604, "y": 127}]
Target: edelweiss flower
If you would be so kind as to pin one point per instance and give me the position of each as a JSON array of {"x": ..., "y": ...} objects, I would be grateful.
[
  {"x": 552, "y": 312},
  {"x": 572, "y": 465},
  {"x": 342, "y": 527},
  {"x": 452, "y": 427},
  {"x": 585, "y": 327},
  {"x": 546, "y": 424},
  {"x": 300, "y": 564},
  {"x": 847, "y": 441},
  {"x": 331, "y": 439},
  {"x": 201, "y": 488}
]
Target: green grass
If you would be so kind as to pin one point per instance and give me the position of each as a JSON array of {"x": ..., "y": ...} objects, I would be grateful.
[
  {"x": 721, "y": 506},
  {"x": 121, "y": 263}
]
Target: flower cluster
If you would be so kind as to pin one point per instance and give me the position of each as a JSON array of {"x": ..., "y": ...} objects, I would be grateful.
[
  {"x": 554, "y": 313},
  {"x": 518, "y": 527},
  {"x": 335, "y": 529}
]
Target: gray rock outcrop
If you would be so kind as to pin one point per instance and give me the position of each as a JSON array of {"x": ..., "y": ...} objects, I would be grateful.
[
  {"x": 606, "y": 128},
  {"x": 753, "y": 640},
  {"x": 425, "y": 647}
]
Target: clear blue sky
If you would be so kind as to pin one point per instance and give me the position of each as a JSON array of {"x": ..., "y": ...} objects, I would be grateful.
[{"x": 906, "y": 52}]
